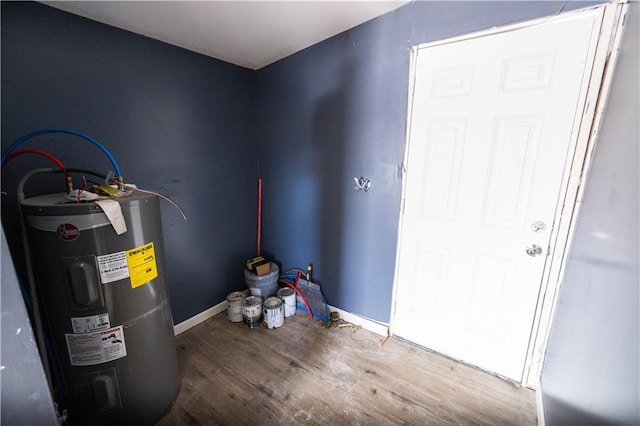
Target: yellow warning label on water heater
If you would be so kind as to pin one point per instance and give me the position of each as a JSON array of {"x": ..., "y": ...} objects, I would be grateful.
[{"x": 142, "y": 264}]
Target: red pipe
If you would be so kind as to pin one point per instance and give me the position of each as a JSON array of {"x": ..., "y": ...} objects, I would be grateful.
[
  {"x": 45, "y": 154},
  {"x": 259, "y": 216},
  {"x": 34, "y": 151}
]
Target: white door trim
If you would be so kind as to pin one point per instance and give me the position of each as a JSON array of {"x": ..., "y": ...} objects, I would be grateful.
[
  {"x": 582, "y": 144},
  {"x": 597, "y": 95}
]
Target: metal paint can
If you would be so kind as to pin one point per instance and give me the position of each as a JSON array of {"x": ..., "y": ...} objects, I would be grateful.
[
  {"x": 252, "y": 311},
  {"x": 288, "y": 297},
  {"x": 273, "y": 312},
  {"x": 234, "y": 306}
]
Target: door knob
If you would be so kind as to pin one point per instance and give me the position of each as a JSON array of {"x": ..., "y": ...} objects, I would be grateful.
[{"x": 533, "y": 250}]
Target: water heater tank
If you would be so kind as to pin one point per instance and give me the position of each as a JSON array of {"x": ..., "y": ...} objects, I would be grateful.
[{"x": 106, "y": 306}]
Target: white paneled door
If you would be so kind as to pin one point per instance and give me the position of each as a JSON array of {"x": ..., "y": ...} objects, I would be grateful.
[{"x": 492, "y": 130}]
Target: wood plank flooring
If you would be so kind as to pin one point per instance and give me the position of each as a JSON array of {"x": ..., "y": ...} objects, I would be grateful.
[{"x": 305, "y": 373}]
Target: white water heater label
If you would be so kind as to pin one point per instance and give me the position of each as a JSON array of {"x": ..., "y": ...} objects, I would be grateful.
[
  {"x": 113, "y": 267},
  {"x": 96, "y": 347},
  {"x": 90, "y": 323}
]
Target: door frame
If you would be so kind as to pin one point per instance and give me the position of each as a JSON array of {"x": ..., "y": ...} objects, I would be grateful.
[{"x": 582, "y": 144}]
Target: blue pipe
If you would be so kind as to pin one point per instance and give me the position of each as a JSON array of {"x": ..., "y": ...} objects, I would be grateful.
[{"x": 28, "y": 136}]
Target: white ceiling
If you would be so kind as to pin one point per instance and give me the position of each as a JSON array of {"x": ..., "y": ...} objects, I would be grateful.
[{"x": 251, "y": 34}]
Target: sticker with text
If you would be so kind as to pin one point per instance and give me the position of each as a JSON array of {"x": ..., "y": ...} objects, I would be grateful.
[
  {"x": 96, "y": 347},
  {"x": 90, "y": 323},
  {"x": 142, "y": 264}
]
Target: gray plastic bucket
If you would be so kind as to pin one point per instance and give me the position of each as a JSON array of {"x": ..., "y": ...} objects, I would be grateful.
[{"x": 263, "y": 285}]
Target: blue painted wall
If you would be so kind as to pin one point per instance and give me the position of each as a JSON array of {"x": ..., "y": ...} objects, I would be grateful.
[
  {"x": 178, "y": 122},
  {"x": 591, "y": 371},
  {"x": 335, "y": 111}
]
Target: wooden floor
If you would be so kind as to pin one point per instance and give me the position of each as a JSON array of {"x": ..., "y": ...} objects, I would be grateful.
[{"x": 305, "y": 373}]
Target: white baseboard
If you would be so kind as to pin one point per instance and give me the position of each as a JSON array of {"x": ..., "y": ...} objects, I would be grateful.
[
  {"x": 366, "y": 323},
  {"x": 201, "y": 317}
]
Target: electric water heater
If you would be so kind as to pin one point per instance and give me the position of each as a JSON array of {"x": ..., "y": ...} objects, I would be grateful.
[{"x": 100, "y": 276}]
